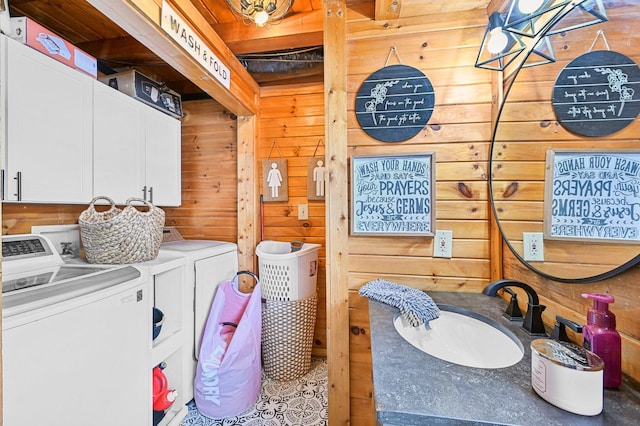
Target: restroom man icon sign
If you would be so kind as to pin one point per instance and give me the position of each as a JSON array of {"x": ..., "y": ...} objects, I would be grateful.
[{"x": 318, "y": 177}]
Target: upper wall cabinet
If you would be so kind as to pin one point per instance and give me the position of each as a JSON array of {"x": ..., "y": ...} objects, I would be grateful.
[
  {"x": 136, "y": 150},
  {"x": 48, "y": 128},
  {"x": 163, "y": 154},
  {"x": 68, "y": 137}
]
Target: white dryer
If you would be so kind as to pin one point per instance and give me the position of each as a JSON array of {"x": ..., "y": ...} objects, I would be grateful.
[{"x": 208, "y": 263}]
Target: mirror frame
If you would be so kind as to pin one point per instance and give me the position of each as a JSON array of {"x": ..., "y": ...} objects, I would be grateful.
[{"x": 512, "y": 78}]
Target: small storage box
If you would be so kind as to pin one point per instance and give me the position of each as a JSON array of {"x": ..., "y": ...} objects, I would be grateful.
[
  {"x": 141, "y": 87},
  {"x": 288, "y": 271},
  {"x": 29, "y": 32}
]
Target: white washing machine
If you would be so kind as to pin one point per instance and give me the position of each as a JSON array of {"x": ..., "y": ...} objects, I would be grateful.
[
  {"x": 208, "y": 263},
  {"x": 74, "y": 338}
]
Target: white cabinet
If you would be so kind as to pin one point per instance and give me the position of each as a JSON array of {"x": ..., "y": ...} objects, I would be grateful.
[
  {"x": 136, "y": 149},
  {"x": 48, "y": 155},
  {"x": 163, "y": 165},
  {"x": 119, "y": 147},
  {"x": 67, "y": 137}
]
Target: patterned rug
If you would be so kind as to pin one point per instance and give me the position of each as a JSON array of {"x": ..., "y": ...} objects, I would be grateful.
[{"x": 297, "y": 402}]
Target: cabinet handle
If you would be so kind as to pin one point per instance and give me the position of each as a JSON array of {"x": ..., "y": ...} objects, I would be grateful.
[
  {"x": 144, "y": 192},
  {"x": 18, "y": 178},
  {"x": 2, "y": 183},
  {"x": 151, "y": 194}
]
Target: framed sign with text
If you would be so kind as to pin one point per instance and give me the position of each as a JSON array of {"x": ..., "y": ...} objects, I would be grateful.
[
  {"x": 597, "y": 93},
  {"x": 592, "y": 195},
  {"x": 395, "y": 103},
  {"x": 392, "y": 194}
]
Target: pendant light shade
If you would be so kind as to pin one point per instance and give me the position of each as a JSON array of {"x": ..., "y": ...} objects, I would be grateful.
[
  {"x": 499, "y": 47},
  {"x": 260, "y": 12},
  {"x": 536, "y": 20}
]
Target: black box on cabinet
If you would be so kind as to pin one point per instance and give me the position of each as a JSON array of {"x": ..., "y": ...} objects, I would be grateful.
[{"x": 143, "y": 88}]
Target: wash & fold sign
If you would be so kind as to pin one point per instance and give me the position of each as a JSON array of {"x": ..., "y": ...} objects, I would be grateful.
[{"x": 180, "y": 31}]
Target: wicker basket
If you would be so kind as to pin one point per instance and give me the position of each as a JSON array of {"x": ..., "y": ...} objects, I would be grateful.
[
  {"x": 287, "y": 337},
  {"x": 122, "y": 236}
]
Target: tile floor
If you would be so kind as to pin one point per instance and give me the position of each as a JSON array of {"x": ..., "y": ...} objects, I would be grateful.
[{"x": 299, "y": 402}]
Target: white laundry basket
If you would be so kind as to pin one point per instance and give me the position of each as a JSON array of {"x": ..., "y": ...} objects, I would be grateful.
[{"x": 288, "y": 271}]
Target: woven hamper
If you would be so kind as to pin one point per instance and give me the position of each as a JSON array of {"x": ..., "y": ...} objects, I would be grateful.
[{"x": 287, "y": 337}]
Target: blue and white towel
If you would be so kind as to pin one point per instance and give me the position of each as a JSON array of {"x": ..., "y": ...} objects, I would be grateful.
[{"x": 417, "y": 306}]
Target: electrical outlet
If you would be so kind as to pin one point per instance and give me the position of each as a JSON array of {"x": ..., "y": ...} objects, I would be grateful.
[
  {"x": 303, "y": 211},
  {"x": 442, "y": 244},
  {"x": 533, "y": 243}
]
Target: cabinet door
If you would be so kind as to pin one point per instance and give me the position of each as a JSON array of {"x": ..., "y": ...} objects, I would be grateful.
[
  {"x": 119, "y": 144},
  {"x": 163, "y": 164},
  {"x": 49, "y": 128}
]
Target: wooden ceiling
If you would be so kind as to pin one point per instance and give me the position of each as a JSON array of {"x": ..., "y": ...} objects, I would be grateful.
[{"x": 87, "y": 28}]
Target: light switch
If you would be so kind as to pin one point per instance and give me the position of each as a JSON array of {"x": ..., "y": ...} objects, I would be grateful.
[{"x": 303, "y": 211}]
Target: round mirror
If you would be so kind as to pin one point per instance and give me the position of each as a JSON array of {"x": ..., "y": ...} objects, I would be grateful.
[{"x": 568, "y": 205}]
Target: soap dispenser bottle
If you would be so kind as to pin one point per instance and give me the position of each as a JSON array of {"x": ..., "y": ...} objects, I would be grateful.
[{"x": 600, "y": 336}]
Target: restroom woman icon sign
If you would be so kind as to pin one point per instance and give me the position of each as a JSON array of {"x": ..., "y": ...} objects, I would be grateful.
[{"x": 274, "y": 180}]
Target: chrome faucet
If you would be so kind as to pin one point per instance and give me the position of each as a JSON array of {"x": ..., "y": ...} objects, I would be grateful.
[{"x": 532, "y": 324}]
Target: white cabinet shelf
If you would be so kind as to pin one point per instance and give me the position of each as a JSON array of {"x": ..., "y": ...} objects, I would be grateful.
[{"x": 169, "y": 294}]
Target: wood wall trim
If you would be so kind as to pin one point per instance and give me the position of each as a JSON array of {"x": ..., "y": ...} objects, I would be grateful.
[
  {"x": 336, "y": 210},
  {"x": 141, "y": 19}
]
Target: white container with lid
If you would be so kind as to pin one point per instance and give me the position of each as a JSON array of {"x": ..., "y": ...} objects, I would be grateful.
[
  {"x": 288, "y": 271},
  {"x": 567, "y": 376}
]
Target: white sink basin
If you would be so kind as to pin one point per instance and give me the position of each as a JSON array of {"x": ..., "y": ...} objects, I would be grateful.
[{"x": 464, "y": 337}]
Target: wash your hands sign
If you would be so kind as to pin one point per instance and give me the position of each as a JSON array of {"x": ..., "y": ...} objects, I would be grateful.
[{"x": 593, "y": 195}]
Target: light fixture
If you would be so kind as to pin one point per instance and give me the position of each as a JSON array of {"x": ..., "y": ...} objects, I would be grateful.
[
  {"x": 499, "y": 47},
  {"x": 260, "y": 12},
  {"x": 529, "y": 6},
  {"x": 529, "y": 17},
  {"x": 587, "y": 13},
  {"x": 498, "y": 39}
]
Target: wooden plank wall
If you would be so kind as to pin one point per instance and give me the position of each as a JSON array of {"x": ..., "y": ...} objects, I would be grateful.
[
  {"x": 444, "y": 48},
  {"x": 209, "y": 174},
  {"x": 291, "y": 127},
  {"x": 527, "y": 129},
  {"x": 19, "y": 218}
]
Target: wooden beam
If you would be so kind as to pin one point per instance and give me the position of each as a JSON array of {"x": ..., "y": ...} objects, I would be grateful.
[
  {"x": 248, "y": 212},
  {"x": 387, "y": 9},
  {"x": 297, "y": 30},
  {"x": 141, "y": 19},
  {"x": 336, "y": 210},
  {"x": 118, "y": 48}
]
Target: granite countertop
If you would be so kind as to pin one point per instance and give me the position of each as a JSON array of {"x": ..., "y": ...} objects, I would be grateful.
[{"x": 414, "y": 388}]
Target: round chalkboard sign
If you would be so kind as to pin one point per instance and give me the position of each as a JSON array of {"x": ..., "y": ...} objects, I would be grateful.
[
  {"x": 395, "y": 103},
  {"x": 597, "y": 93}
]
